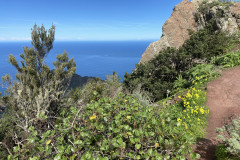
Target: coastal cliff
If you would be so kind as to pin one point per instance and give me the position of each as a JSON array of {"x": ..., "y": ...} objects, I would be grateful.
[{"x": 191, "y": 16}]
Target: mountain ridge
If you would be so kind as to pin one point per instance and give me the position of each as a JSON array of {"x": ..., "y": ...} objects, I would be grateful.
[{"x": 175, "y": 30}]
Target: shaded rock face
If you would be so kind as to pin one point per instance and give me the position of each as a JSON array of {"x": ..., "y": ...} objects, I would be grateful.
[{"x": 183, "y": 18}]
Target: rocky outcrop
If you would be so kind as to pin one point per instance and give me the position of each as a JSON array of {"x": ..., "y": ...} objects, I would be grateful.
[{"x": 183, "y": 18}]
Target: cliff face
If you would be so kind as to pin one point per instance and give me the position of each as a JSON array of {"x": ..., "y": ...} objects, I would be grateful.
[{"x": 186, "y": 16}]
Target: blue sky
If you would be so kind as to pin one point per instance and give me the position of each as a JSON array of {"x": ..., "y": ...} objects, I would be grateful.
[{"x": 85, "y": 20}]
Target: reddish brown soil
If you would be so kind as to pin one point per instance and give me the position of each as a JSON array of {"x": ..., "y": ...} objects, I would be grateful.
[{"x": 224, "y": 104}]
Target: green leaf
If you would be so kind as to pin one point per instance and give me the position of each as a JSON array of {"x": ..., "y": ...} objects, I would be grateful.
[
  {"x": 159, "y": 157},
  {"x": 58, "y": 156},
  {"x": 198, "y": 156},
  {"x": 149, "y": 151},
  {"x": 10, "y": 157},
  {"x": 78, "y": 142},
  {"x": 73, "y": 149},
  {"x": 34, "y": 158},
  {"x": 73, "y": 157},
  {"x": 60, "y": 149},
  {"x": 86, "y": 156},
  {"x": 48, "y": 150},
  {"x": 41, "y": 149},
  {"x": 16, "y": 149},
  {"x": 138, "y": 146}
]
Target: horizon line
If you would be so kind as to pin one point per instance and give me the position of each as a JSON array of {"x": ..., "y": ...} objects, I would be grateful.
[{"x": 84, "y": 40}]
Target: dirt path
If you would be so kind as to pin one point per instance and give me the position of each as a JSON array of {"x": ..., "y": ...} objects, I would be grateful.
[{"x": 224, "y": 103}]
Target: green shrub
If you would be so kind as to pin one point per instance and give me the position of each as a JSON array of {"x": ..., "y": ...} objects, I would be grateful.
[
  {"x": 158, "y": 75},
  {"x": 221, "y": 152},
  {"x": 231, "y": 59},
  {"x": 229, "y": 134},
  {"x": 119, "y": 128},
  {"x": 203, "y": 72},
  {"x": 180, "y": 83},
  {"x": 207, "y": 43},
  {"x": 7, "y": 130}
]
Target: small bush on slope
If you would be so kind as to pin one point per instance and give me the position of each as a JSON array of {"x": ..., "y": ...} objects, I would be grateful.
[
  {"x": 231, "y": 59},
  {"x": 230, "y": 136},
  {"x": 157, "y": 76}
]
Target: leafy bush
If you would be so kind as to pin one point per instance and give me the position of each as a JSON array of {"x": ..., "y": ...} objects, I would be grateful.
[
  {"x": 157, "y": 76},
  {"x": 231, "y": 59},
  {"x": 229, "y": 134},
  {"x": 119, "y": 128},
  {"x": 180, "y": 83},
  {"x": 221, "y": 152},
  {"x": 207, "y": 43},
  {"x": 202, "y": 72}
]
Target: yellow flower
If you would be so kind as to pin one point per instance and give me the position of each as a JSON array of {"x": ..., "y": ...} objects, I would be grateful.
[
  {"x": 188, "y": 95},
  {"x": 192, "y": 111},
  {"x": 125, "y": 100},
  {"x": 202, "y": 110},
  {"x": 179, "y": 119},
  {"x": 93, "y": 117},
  {"x": 197, "y": 96},
  {"x": 128, "y": 117},
  {"x": 156, "y": 145}
]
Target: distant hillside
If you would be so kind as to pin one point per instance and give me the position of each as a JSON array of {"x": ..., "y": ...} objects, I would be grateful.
[{"x": 79, "y": 81}]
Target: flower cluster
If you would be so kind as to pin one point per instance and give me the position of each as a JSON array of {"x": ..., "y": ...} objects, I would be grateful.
[{"x": 194, "y": 112}]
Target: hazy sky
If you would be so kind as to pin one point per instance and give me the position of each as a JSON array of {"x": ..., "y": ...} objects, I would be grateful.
[{"x": 85, "y": 19}]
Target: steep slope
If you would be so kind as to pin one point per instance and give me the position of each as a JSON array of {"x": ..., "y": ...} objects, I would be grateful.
[{"x": 187, "y": 16}]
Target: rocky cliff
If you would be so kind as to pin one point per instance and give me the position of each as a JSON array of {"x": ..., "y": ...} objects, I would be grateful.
[{"x": 194, "y": 15}]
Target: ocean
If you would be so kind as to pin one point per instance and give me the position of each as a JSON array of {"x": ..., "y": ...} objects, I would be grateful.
[{"x": 93, "y": 58}]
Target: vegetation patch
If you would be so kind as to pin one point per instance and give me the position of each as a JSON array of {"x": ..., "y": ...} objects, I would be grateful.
[{"x": 158, "y": 76}]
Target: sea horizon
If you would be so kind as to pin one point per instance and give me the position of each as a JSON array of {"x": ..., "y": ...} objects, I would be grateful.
[{"x": 93, "y": 58}]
